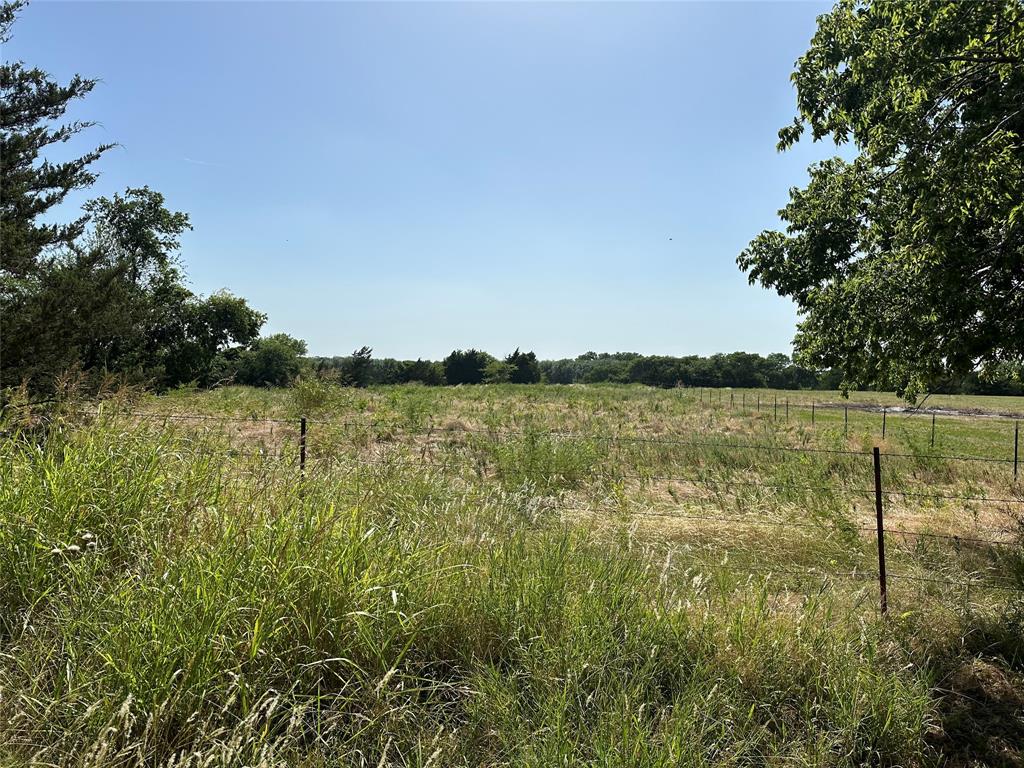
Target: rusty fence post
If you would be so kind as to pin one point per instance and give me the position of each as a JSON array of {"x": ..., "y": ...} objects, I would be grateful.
[
  {"x": 883, "y": 591},
  {"x": 787, "y": 409},
  {"x": 812, "y": 412},
  {"x": 933, "y": 429},
  {"x": 883, "y": 422}
]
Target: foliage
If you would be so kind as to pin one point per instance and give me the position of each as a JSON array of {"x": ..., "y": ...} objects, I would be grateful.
[
  {"x": 380, "y": 371},
  {"x": 424, "y": 371},
  {"x": 115, "y": 301},
  {"x": 272, "y": 361},
  {"x": 907, "y": 263},
  {"x": 525, "y": 368},
  {"x": 31, "y": 103},
  {"x": 466, "y": 367},
  {"x": 104, "y": 293},
  {"x": 498, "y": 372},
  {"x": 356, "y": 372},
  {"x": 737, "y": 369}
]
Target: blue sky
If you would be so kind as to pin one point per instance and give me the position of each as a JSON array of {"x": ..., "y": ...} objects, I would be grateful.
[{"x": 423, "y": 176}]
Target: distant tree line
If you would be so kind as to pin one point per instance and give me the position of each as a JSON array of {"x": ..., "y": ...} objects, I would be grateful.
[
  {"x": 736, "y": 369},
  {"x": 471, "y": 366}
]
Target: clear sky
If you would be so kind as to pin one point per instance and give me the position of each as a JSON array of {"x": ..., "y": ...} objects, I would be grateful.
[{"x": 423, "y": 176}]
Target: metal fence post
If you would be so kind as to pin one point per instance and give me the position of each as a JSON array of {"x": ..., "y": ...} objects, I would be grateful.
[
  {"x": 846, "y": 420},
  {"x": 883, "y": 422},
  {"x": 883, "y": 592},
  {"x": 933, "y": 430},
  {"x": 787, "y": 409},
  {"x": 812, "y": 411},
  {"x": 302, "y": 448},
  {"x": 775, "y": 414}
]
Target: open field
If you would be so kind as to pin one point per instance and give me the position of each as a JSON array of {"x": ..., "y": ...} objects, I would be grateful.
[
  {"x": 1012, "y": 407},
  {"x": 510, "y": 575}
]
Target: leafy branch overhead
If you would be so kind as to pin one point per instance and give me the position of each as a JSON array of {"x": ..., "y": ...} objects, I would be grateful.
[{"x": 907, "y": 263}]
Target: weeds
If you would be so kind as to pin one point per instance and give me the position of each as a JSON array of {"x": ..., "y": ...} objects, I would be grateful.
[{"x": 168, "y": 597}]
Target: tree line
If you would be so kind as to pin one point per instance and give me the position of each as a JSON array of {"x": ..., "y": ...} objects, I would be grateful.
[
  {"x": 736, "y": 369},
  {"x": 907, "y": 263}
]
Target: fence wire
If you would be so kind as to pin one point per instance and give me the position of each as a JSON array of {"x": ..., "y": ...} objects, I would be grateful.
[{"x": 356, "y": 462}]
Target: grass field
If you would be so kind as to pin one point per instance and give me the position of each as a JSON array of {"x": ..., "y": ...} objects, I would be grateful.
[{"x": 510, "y": 575}]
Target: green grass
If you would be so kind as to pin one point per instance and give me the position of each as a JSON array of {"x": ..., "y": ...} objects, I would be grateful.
[{"x": 481, "y": 576}]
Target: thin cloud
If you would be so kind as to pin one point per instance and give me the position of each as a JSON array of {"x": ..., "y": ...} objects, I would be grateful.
[{"x": 202, "y": 162}]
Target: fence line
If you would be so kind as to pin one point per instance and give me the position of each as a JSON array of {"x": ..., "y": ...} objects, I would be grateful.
[
  {"x": 502, "y": 433},
  {"x": 879, "y": 493}
]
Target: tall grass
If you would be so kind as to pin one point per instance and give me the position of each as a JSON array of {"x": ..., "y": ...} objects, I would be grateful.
[{"x": 168, "y": 599}]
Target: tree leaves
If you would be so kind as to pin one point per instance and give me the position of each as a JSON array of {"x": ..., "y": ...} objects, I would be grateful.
[{"x": 907, "y": 265}]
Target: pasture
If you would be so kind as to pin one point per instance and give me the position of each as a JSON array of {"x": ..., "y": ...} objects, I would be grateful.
[{"x": 508, "y": 575}]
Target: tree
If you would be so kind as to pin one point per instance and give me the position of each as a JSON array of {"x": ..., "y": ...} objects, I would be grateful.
[
  {"x": 273, "y": 361},
  {"x": 498, "y": 372},
  {"x": 466, "y": 367},
  {"x": 104, "y": 292},
  {"x": 525, "y": 368},
  {"x": 907, "y": 263},
  {"x": 355, "y": 370},
  {"x": 425, "y": 371},
  {"x": 210, "y": 336},
  {"x": 114, "y": 302},
  {"x": 31, "y": 103}
]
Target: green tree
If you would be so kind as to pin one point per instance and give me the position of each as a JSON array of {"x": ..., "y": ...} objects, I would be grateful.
[
  {"x": 355, "y": 370},
  {"x": 498, "y": 372},
  {"x": 31, "y": 106},
  {"x": 525, "y": 368},
  {"x": 114, "y": 302},
  {"x": 273, "y": 361},
  {"x": 907, "y": 263},
  {"x": 207, "y": 336},
  {"x": 466, "y": 367},
  {"x": 425, "y": 371}
]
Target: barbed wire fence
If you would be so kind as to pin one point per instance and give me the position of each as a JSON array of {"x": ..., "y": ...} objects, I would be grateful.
[
  {"x": 299, "y": 430},
  {"x": 813, "y": 408}
]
